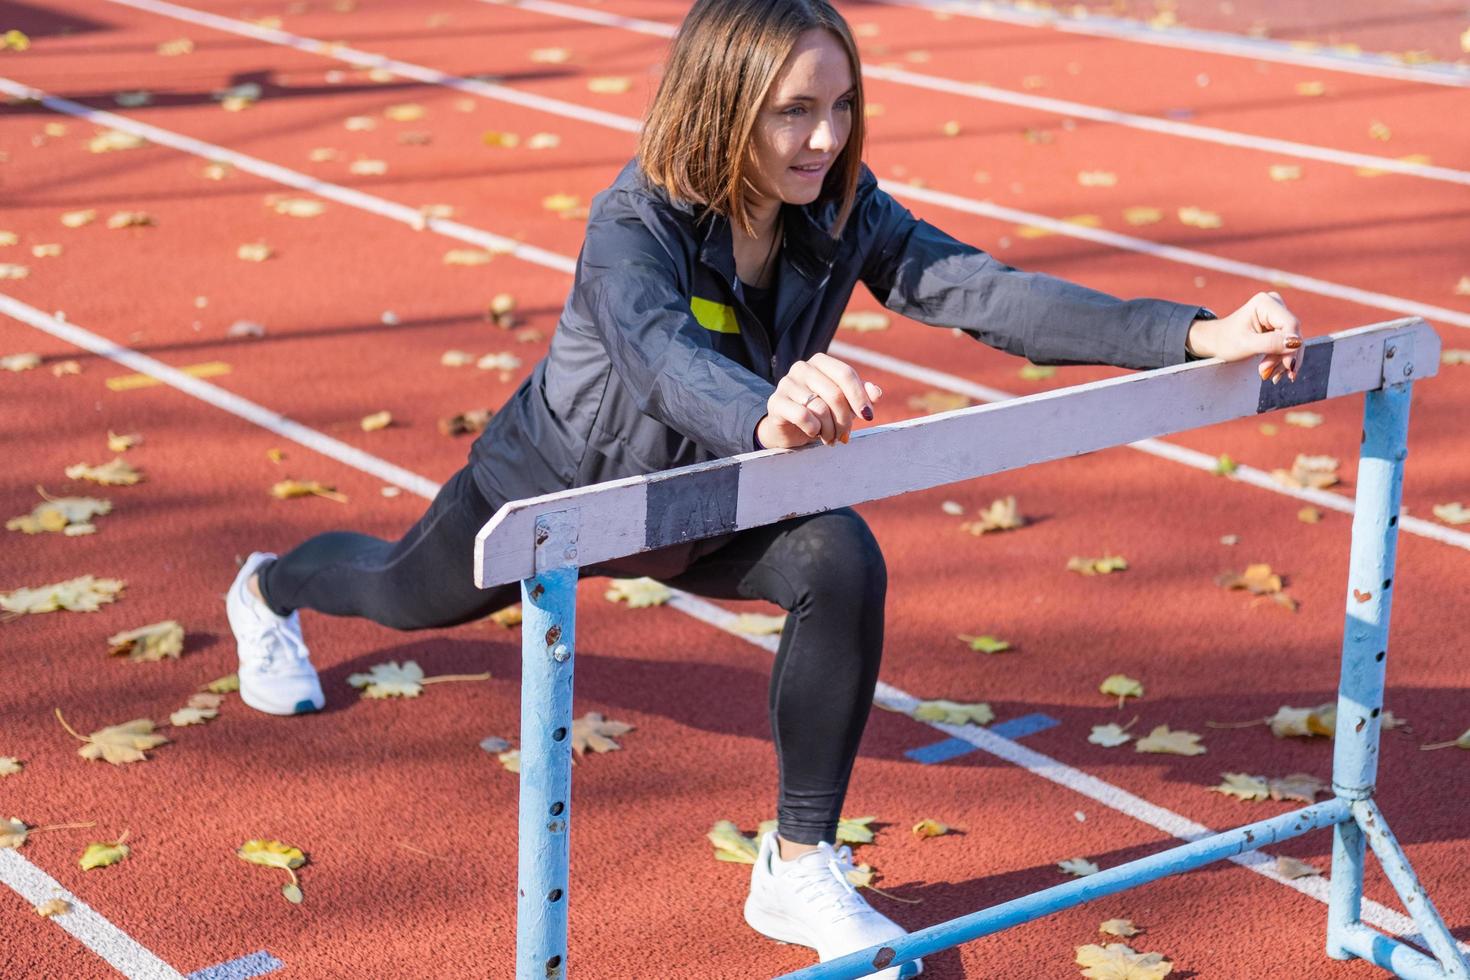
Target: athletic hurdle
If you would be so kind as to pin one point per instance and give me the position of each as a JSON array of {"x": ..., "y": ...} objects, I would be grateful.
[{"x": 543, "y": 541}]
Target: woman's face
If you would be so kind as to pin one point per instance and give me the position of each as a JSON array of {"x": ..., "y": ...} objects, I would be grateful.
[{"x": 805, "y": 121}]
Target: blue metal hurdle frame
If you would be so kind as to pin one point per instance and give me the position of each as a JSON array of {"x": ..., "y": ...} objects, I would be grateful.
[{"x": 548, "y": 644}]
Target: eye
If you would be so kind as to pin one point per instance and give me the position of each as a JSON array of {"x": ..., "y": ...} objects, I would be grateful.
[
  {"x": 794, "y": 111},
  {"x": 845, "y": 104}
]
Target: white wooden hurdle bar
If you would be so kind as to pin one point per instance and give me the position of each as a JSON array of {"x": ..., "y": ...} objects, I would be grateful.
[{"x": 543, "y": 541}]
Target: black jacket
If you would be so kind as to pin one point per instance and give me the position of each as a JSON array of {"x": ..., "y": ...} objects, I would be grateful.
[{"x": 658, "y": 363}]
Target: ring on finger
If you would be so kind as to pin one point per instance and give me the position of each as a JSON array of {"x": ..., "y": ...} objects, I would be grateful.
[{"x": 808, "y": 400}]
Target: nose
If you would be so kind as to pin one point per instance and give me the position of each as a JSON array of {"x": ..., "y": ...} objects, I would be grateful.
[{"x": 824, "y": 136}]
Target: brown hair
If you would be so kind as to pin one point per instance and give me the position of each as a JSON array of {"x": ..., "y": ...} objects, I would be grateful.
[{"x": 696, "y": 141}]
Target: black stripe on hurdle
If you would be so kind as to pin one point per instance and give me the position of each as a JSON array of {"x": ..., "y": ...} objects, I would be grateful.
[
  {"x": 692, "y": 507},
  {"x": 1310, "y": 384}
]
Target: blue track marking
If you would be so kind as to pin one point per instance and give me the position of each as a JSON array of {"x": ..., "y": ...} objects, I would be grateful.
[
  {"x": 953, "y": 748},
  {"x": 254, "y": 965}
]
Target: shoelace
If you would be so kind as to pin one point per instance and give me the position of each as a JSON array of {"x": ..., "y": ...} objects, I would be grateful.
[
  {"x": 828, "y": 885},
  {"x": 280, "y": 643}
]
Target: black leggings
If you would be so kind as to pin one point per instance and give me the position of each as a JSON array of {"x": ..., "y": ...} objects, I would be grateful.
[{"x": 825, "y": 569}]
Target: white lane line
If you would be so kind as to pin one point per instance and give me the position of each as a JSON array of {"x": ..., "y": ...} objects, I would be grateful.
[
  {"x": 984, "y": 93},
  {"x": 122, "y": 952},
  {"x": 552, "y": 260},
  {"x": 1105, "y": 793},
  {"x": 1304, "y": 54},
  {"x": 1038, "y": 103}
]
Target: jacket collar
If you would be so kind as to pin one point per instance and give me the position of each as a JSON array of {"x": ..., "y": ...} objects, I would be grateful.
[{"x": 808, "y": 248}]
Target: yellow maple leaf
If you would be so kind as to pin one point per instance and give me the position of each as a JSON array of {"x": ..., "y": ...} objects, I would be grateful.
[
  {"x": 390, "y": 680},
  {"x": 10, "y": 765},
  {"x": 930, "y": 828},
  {"x": 254, "y": 252},
  {"x": 592, "y": 731},
  {"x": 406, "y": 112},
  {"x": 102, "y": 854},
  {"x": 53, "y": 906},
  {"x": 175, "y": 47},
  {"x": 862, "y": 321},
  {"x": 376, "y": 421},
  {"x": 1243, "y": 787},
  {"x": 192, "y": 716},
  {"x": 1452, "y": 513},
  {"x": 117, "y": 744},
  {"x": 149, "y": 643},
  {"x": 122, "y": 443},
  {"x": 1118, "y": 927},
  {"x": 550, "y": 56},
  {"x": 296, "y": 207},
  {"x": 18, "y": 362},
  {"x": 1121, "y": 686},
  {"x": 1305, "y": 722},
  {"x": 60, "y": 514},
  {"x": 1309, "y": 515},
  {"x": 112, "y": 140},
  {"x": 1001, "y": 515},
  {"x": 561, "y": 203},
  {"x": 224, "y": 685},
  {"x": 757, "y": 624},
  {"x": 130, "y": 219},
  {"x": 119, "y": 472},
  {"x": 1199, "y": 218},
  {"x": 287, "y": 489},
  {"x": 1142, "y": 215},
  {"x": 1257, "y": 579},
  {"x": 1111, "y": 736},
  {"x": 1308, "y": 472},
  {"x": 1163, "y": 740},
  {"x": 1081, "y": 867},
  {"x": 13, "y": 833},
  {"x": 954, "y": 712},
  {"x": 13, "y": 40},
  {"x": 511, "y": 760},
  {"x": 509, "y": 617},
  {"x": 83, "y": 594},
  {"x": 1307, "y": 420},
  {"x": 933, "y": 402},
  {"x": 985, "y": 644},
  {"x": 638, "y": 592},
  {"x": 1036, "y": 372},
  {"x": 1116, "y": 961},
  {"x": 730, "y": 844},
  {"x": 1300, "y": 787},
  {"x": 274, "y": 854},
  {"x": 1105, "y": 565},
  {"x": 1097, "y": 178},
  {"x": 609, "y": 84}
]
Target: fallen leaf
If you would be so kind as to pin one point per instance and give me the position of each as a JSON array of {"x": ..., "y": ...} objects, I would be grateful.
[
  {"x": 49, "y": 251},
  {"x": 1121, "y": 686},
  {"x": 13, "y": 40},
  {"x": 390, "y": 680},
  {"x": 592, "y": 731},
  {"x": 1281, "y": 172},
  {"x": 466, "y": 423},
  {"x": 224, "y": 685},
  {"x": 128, "y": 382},
  {"x": 1036, "y": 372},
  {"x": 149, "y": 643},
  {"x": 130, "y": 219},
  {"x": 9, "y": 270},
  {"x": 1119, "y": 927},
  {"x": 1310, "y": 88},
  {"x": 638, "y": 592},
  {"x": 10, "y": 765},
  {"x": 205, "y": 700},
  {"x": 367, "y": 168},
  {"x": 1116, "y": 961},
  {"x": 952, "y": 508},
  {"x": 1097, "y": 566},
  {"x": 376, "y": 421},
  {"x": 1257, "y": 579},
  {"x": 287, "y": 489},
  {"x": 1299, "y": 787},
  {"x": 509, "y": 617},
  {"x": 932, "y": 402},
  {"x": 985, "y": 644},
  {"x": 1315, "y": 472},
  {"x": 1001, "y": 515},
  {"x": 82, "y": 594},
  {"x": 255, "y": 252},
  {"x": 467, "y": 256},
  {"x": 119, "y": 472},
  {"x": 1162, "y": 740},
  {"x": 609, "y": 84},
  {"x": 13, "y": 833},
  {"x": 1199, "y": 218},
  {"x": 954, "y": 712},
  {"x": 1463, "y": 742},
  {"x": 543, "y": 141},
  {"x": 456, "y": 358},
  {"x": 730, "y": 844},
  {"x": 1243, "y": 787},
  {"x": 1304, "y": 722},
  {"x": 1450, "y": 356},
  {"x": 930, "y": 828},
  {"x": 101, "y": 855},
  {"x": 501, "y": 311},
  {"x": 117, "y": 744},
  {"x": 1291, "y": 869},
  {"x": 20, "y": 362},
  {"x": 1142, "y": 216},
  {"x": 1224, "y": 465},
  {"x": 59, "y": 514},
  {"x": 757, "y": 624},
  {"x": 500, "y": 361},
  {"x": 1380, "y": 132},
  {"x": 406, "y": 112},
  {"x": 274, "y": 854},
  {"x": 863, "y": 321},
  {"x": 53, "y": 906},
  {"x": 296, "y": 207},
  {"x": 1112, "y": 735},
  {"x": 1097, "y": 178},
  {"x": 550, "y": 56},
  {"x": 176, "y": 47},
  {"x": 511, "y": 760},
  {"x": 133, "y": 100},
  {"x": 113, "y": 140},
  {"x": 192, "y": 716},
  {"x": 1081, "y": 867},
  {"x": 1309, "y": 515},
  {"x": 495, "y": 137},
  {"x": 1453, "y": 513},
  {"x": 561, "y": 203}
]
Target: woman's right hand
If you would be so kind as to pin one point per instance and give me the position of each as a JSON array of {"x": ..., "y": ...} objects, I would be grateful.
[{"x": 794, "y": 418}]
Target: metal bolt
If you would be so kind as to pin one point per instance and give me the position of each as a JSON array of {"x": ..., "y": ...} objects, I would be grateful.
[
  {"x": 1390, "y": 352},
  {"x": 1408, "y": 370},
  {"x": 571, "y": 553},
  {"x": 560, "y": 652}
]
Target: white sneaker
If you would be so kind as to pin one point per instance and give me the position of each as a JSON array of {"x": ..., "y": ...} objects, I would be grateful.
[
  {"x": 809, "y": 901},
  {"x": 276, "y": 675}
]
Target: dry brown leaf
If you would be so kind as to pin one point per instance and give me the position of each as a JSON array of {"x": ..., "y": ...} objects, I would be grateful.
[
  {"x": 1119, "y": 927},
  {"x": 117, "y": 473},
  {"x": 1116, "y": 961},
  {"x": 83, "y": 594},
  {"x": 1308, "y": 472},
  {"x": 509, "y": 617},
  {"x": 592, "y": 731},
  {"x": 1163, "y": 740},
  {"x": 930, "y": 828},
  {"x": 192, "y": 716},
  {"x": 1001, "y": 515},
  {"x": 10, "y": 765},
  {"x": 1291, "y": 869},
  {"x": 67, "y": 515},
  {"x": 466, "y": 423},
  {"x": 53, "y": 906},
  {"x": 376, "y": 421},
  {"x": 117, "y": 744},
  {"x": 286, "y": 489},
  {"x": 1105, "y": 565}
]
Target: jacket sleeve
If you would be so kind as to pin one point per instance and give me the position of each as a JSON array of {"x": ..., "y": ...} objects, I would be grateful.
[
  {"x": 916, "y": 270},
  {"x": 628, "y": 286}
]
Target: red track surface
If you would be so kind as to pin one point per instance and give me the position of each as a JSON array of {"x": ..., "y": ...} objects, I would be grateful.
[{"x": 647, "y": 899}]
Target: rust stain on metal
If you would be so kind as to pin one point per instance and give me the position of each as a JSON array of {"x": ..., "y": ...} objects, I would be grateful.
[
  {"x": 542, "y": 533},
  {"x": 538, "y": 590},
  {"x": 884, "y": 956},
  {"x": 552, "y": 635},
  {"x": 1362, "y": 596}
]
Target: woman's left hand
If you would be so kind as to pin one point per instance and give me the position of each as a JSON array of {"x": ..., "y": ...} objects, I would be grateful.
[{"x": 1262, "y": 326}]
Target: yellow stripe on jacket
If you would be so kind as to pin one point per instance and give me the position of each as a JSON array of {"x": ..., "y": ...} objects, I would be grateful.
[{"x": 714, "y": 316}]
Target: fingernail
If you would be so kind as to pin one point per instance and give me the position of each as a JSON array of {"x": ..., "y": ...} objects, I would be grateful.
[
  {"x": 1264, "y": 370},
  {"x": 1293, "y": 343},
  {"x": 868, "y": 412},
  {"x": 845, "y": 437},
  {"x": 1275, "y": 379}
]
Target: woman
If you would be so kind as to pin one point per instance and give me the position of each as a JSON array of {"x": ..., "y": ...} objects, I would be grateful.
[{"x": 710, "y": 283}]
